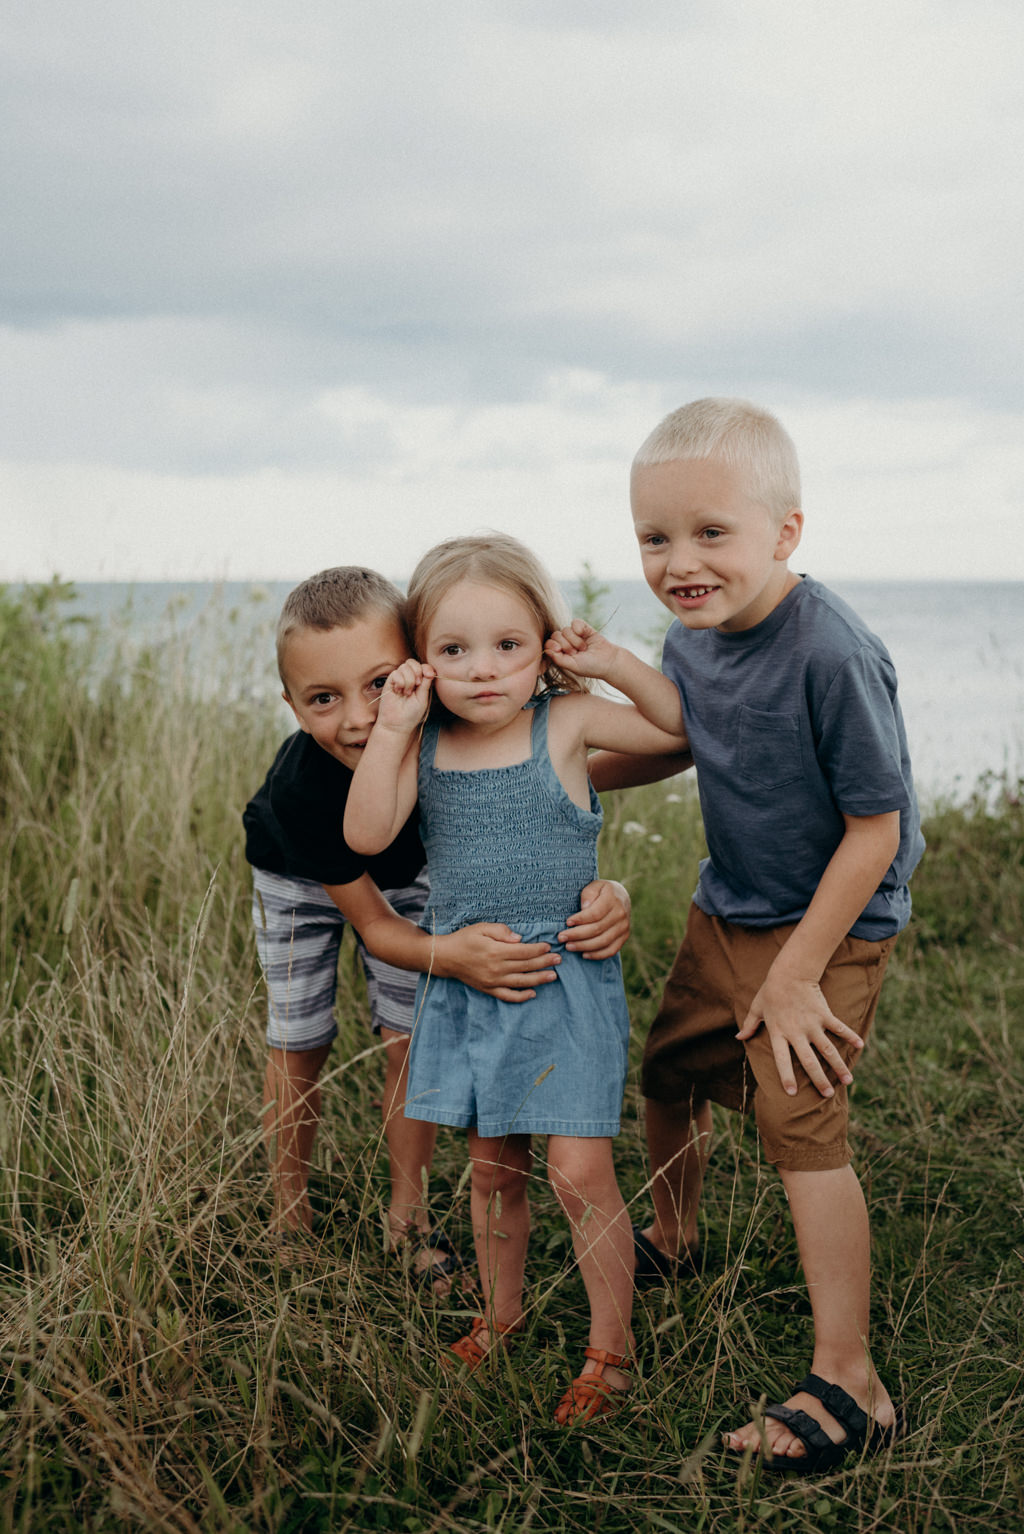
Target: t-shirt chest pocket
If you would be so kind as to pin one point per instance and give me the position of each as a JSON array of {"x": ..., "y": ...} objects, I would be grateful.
[{"x": 769, "y": 751}]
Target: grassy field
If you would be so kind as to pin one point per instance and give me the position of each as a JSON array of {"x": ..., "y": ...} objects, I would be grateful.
[{"x": 162, "y": 1367}]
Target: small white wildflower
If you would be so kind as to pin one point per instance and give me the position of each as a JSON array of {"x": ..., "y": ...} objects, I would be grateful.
[
  {"x": 655, "y": 837},
  {"x": 673, "y": 798},
  {"x": 634, "y": 828}
]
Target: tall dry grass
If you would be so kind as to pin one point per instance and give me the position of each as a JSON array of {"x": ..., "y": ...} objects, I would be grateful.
[{"x": 163, "y": 1365}]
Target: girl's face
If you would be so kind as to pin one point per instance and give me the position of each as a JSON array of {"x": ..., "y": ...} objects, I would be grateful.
[{"x": 487, "y": 650}]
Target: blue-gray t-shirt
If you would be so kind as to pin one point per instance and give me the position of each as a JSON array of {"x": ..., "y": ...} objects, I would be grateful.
[{"x": 793, "y": 724}]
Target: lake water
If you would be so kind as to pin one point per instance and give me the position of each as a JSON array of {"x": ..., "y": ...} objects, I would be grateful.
[{"x": 958, "y": 650}]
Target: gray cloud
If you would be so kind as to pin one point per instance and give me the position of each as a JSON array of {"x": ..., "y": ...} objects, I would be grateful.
[{"x": 229, "y": 224}]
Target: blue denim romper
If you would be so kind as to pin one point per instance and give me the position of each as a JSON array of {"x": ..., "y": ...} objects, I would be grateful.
[{"x": 507, "y": 844}]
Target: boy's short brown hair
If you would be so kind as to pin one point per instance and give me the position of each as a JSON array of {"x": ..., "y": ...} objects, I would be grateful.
[{"x": 335, "y": 599}]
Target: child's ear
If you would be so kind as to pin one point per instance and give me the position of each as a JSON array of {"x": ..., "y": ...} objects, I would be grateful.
[
  {"x": 295, "y": 711},
  {"x": 790, "y": 529}
]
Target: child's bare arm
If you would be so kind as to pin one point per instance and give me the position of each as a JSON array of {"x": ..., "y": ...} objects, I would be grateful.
[
  {"x": 619, "y": 727},
  {"x": 790, "y": 1003},
  {"x": 488, "y": 956},
  {"x": 383, "y": 789},
  {"x": 585, "y": 651},
  {"x": 618, "y": 769}
]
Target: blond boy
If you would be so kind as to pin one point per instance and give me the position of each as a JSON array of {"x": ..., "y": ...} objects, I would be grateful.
[{"x": 790, "y": 707}]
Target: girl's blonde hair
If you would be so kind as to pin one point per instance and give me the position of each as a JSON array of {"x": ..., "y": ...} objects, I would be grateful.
[{"x": 489, "y": 559}]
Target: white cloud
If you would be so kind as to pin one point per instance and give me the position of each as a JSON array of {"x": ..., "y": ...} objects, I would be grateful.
[
  {"x": 917, "y": 488},
  {"x": 921, "y": 489}
]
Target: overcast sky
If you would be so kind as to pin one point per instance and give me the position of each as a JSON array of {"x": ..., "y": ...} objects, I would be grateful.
[{"x": 286, "y": 286}]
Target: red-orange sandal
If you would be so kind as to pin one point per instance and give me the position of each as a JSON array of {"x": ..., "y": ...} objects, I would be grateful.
[
  {"x": 590, "y": 1395},
  {"x": 468, "y": 1349}
]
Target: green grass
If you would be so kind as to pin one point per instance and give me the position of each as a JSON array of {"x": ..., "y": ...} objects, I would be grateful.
[{"x": 162, "y": 1366}]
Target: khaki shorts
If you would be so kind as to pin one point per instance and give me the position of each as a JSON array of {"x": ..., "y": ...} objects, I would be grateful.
[{"x": 692, "y": 1053}]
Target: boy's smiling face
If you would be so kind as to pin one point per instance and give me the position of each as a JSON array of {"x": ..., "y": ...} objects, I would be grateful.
[
  {"x": 714, "y": 556},
  {"x": 334, "y": 679}
]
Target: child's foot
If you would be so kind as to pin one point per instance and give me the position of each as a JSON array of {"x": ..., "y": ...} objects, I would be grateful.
[
  {"x": 292, "y": 1248},
  {"x": 295, "y": 1219},
  {"x": 598, "y": 1390},
  {"x": 482, "y": 1338},
  {"x": 291, "y": 1235},
  {"x": 824, "y": 1436},
  {"x": 655, "y": 1265},
  {"x": 433, "y": 1260}
]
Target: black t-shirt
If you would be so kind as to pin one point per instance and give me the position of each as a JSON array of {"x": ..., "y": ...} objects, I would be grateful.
[{"x": 294, "y": 824}]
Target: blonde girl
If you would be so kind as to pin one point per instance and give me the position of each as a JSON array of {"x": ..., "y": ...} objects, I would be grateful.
[{"x": 510, "y": 823}]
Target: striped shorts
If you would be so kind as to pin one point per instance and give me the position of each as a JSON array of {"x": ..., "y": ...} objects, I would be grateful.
[{"x": 298, "y": 936}]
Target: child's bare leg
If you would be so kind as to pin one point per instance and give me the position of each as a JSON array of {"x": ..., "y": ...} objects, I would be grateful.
[
  {"x": 410, "y": 1142},
  {"x": 410, "y": 1145},
  {"x": 679, "y": 1142},
  {"x": 500, "y": 1207},
  {"x": 831, "y": 1223},
  {"x": 582, "y": 1173},
  {"x": 291, "y": 1116}
]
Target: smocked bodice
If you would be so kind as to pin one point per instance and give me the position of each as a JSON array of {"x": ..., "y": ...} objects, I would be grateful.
[{"x": 504, "y": 844}]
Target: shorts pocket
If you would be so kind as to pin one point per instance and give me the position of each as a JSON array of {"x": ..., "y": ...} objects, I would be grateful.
[{"x": 769, "y": 747}]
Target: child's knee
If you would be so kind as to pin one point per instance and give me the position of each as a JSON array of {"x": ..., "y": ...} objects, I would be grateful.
[
  {"x": 691, "y": 1112},
  {"x": 506, "y": 1175},
  {"x": 581, "y": 1174}
]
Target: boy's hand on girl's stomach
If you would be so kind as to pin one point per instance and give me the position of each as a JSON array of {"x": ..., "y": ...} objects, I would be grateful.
[
  {"x": 799, "y": 1022},
  {"x": 492, "y": 958},
  {"x": 581, "y": 649},
  {"x": 601, "y": 926}
]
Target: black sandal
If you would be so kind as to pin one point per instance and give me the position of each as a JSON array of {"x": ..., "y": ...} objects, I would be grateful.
[
  {"x": 653, "y": 1266},
  {"x": 822, "y": 1454},
  {"x": 444, "y": 1265}
]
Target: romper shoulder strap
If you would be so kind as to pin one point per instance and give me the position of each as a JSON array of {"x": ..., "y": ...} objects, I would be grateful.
[
  {"x": 428, "y": 749},
  {"x": 539, "y": 730}
]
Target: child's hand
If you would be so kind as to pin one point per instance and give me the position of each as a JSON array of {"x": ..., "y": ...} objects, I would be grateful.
[
  {"x": 601, "y": 925},
  {"x": 492, "y": 958},
  {"x": 405, "y": 701},
  {"x": 799, "y": 1022},
  {"x": 582, "y": 650}
]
